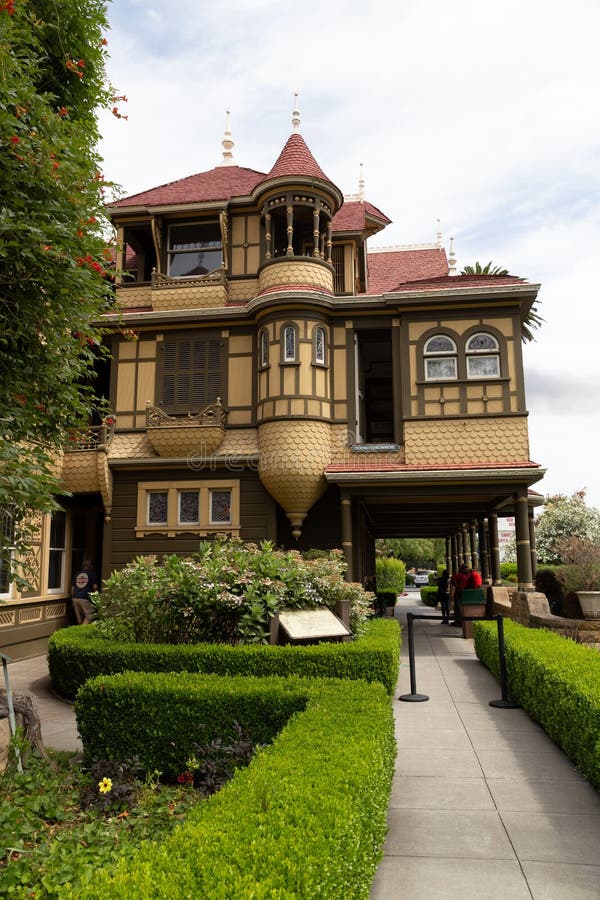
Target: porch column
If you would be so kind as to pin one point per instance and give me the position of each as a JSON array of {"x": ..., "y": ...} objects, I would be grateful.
[
  {"x": 522, "y": 536},
  {"x": 474, "y": 551},
  {"x": 532, "y": 544},
  {"x": 494, "y": 549},
  {"x": 459, "y": 548},
  {"x": 449, "y": 554},
  {"x": 484, "y": 551},
  {"x": 347, "y": 536},
  {"x": 290, "y": 231}
]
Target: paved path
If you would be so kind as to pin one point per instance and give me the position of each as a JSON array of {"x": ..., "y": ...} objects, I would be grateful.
[{"x": 484, "y": 804}]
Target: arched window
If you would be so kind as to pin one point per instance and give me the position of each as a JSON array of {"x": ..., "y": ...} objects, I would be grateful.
[
  {"x": 290, "y": 343},
  {"x": 440, "y": 358},
  {"x": 263, "y": 349},
  {"x": 319, "y": 346},
  {"x": 483, "y": 356}
]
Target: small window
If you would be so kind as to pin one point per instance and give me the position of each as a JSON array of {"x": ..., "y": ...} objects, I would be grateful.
[
  {"x": 319, "y": 352},
  {"x": 220, "y": 507},
  {"x": 483, "y": 359},
  {"x": 157, "y": 507},
  {"x": 189, "y": 507},
  {"x": 263, "y": 349},
  {"x": 440, "y": 359},
  {"x": 57, "y": 550},
  {"x": 290, "y": 342},
  {"x": 194, "y": 249}
]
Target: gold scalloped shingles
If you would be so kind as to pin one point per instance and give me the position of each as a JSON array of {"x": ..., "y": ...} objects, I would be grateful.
[
  {"x": 293, "y": 456},
  {"x": 195, "y": 296},
  {"x": 466, "y": 441},
  {"x": 293, "y": 271}
]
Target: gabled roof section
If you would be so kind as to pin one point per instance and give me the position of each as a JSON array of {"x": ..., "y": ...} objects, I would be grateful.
[
  {"x": 390, "y": 270},
  {"x": 221, "y": 183},
  {"x": 353, "y": 215},
  {"x": 296, "y": 159}
]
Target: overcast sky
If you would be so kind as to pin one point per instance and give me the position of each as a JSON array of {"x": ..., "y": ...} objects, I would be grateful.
[{"x": 486, "y": 116}]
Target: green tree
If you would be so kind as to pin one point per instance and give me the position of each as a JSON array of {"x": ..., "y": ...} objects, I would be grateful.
[
  {"x": 52, "y": 237},
  {"x": 532, "y": 319},
  {"x": 563, "y": 517}
]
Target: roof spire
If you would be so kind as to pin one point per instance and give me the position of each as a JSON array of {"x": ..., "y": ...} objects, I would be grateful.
[
  {"x": 296, "y": 114},
  {"x": 452, "y": 259},
  {"x": 439, "y": 234},
  {"x": 227, "y": 144},
  {"x": 361, "y": 183}
]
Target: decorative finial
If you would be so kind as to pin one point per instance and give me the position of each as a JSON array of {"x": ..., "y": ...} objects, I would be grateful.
[
  {"x": 452, "y": 259},
  {"x": 227, "y": 144},
  {"x": 361, "y": 183},
  {"x": 296, "y": 114},
  {"x": 439, "y": 235}
]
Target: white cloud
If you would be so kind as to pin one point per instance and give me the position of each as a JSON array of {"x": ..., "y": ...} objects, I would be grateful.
[{"x": 482, "y": 114}]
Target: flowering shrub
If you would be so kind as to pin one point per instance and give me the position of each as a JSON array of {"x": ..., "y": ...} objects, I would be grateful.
[{"x": 223, "y": 594}]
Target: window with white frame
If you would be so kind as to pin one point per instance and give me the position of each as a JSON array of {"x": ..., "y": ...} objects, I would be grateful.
[
  {"x": 441, "y": 363},
  {"x": 194, "y": 249},
  {"x": 200, "y": 507},
  {"x": 290, "y": 343},
  {"x": 319, "y": 346},
  {"x": 483, "y": 356},
  {"x": 263, "y": 349},
  {"x": 57, "y": 551}
]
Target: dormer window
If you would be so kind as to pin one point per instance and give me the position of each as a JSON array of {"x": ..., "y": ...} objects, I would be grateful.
[
  {"x": 440, "y": 359},
  {"x": 483, "y": 356},
  {"x": 194, "y": 249}
]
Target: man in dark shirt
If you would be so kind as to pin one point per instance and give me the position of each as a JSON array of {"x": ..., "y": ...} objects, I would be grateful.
[{"x": 84, "y": 582}]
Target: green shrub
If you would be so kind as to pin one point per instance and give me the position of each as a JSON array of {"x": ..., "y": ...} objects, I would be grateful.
[
  {"x": 307, "y": 818},
  {"x": 225, "y": 593},
  {"x": 75, "y": 654},
  {"x": 557, "y": 681},
  {"x": 429, "y": 596},
  {"x": 390, "y": 574}
]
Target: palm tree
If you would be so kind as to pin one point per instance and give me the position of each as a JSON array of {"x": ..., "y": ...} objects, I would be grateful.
[{"x": 532, "y": 318}]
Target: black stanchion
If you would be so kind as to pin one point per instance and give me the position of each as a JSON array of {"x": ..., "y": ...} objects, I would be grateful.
[
  {"x": 504, "y": 703},
  {"x": 413, "y": 697}
]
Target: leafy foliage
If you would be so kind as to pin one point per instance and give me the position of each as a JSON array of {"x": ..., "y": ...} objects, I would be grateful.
[
  {"x": 52, "y": 241},
  {"x": 556, "y": 681},
  {"x": 223, "y": 594},
  {"x": 75, "y": 654}
]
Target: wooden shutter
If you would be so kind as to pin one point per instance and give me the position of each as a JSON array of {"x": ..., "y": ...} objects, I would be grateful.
[{"x": 191, "y": 374}]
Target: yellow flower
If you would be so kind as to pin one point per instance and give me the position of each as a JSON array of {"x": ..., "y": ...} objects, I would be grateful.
[{"x": 105, "y": 786}]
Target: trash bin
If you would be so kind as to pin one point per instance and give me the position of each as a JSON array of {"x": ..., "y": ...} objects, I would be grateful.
[{"x": 473, "y": 604}]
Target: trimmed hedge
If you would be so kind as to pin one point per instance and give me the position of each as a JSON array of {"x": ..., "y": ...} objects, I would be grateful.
[
  {"x": 556, "y": 681},
  {"x": 76, "y": 654},
  {"x": 307, "y": 817}
]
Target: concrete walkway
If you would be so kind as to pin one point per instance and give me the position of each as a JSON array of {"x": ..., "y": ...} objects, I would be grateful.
[{"x": 483, "y": 803}]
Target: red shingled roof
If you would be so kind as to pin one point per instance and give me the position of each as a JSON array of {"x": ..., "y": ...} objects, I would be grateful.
[
  {"x": 296, "y": 159},
  {"x": 352, "y": 216},
  {"x": 220, "y": 183},
  {"x": 391, "y": 270}
]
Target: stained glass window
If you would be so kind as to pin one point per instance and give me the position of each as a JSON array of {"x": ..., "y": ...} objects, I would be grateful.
[
  {"x": 189, "y": 507},
  {"x": 319, "y": 345},
  {"x": 220, "y": 507},
  {"x": 157, "y": 507}
]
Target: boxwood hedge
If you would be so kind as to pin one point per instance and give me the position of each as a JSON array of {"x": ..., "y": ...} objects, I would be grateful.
[
  {"x": 557, "y": 681},
  {"x": 76, "y": 654},
  {"x": 307, "y": 818}
]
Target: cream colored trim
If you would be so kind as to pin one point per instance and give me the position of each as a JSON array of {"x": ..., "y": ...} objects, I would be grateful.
[{"x": 172, "y": 526}]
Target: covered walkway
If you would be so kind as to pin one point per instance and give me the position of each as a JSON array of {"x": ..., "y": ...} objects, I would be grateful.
[{"x": 483, "y": 804}]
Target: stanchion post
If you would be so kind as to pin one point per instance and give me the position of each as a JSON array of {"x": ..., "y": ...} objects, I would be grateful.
[
  {"x": 413, "y": 697},
  {"x": 504, "y": 703}
]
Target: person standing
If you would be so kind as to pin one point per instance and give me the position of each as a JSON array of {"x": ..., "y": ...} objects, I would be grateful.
[{"x": 84, "y": 583}]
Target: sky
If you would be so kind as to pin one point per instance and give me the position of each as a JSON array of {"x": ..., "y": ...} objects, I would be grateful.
[{"x": 485, "y": 116}]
